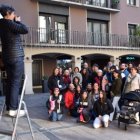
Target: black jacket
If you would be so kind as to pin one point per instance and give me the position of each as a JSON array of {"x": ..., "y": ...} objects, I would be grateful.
[
  {"x": 53, "y": 82},
  {"x": 10, "y": 38},
  {"x": 103, "y": 109}
]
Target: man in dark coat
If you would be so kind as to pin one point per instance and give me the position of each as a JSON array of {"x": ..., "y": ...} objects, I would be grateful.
[{"x": 12, "y": 55}]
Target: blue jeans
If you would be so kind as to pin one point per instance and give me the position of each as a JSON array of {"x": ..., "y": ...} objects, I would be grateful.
[
  {"x": 54, "y": 116},
  {"x": 15, "y": 70}
]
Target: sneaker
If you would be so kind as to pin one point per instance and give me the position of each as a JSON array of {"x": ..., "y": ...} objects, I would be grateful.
[
  {"x": 138, "y": 123},
  {"x": 13, "y": 113}
]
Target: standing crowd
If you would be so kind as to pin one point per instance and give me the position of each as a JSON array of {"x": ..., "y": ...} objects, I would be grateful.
[{"x": 91, "y": 94}]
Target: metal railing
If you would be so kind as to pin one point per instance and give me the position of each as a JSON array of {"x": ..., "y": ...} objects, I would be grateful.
[
  {"x": 88, "y": 39},
  {"x": 100, "y": 3},
  {"x": 45, "y": 37}
]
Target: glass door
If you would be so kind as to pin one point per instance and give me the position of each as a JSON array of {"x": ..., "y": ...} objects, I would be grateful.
[
  {"x": 97, "y": 34},
  {"x": 37, "y": 72},
  {"x": 60, "y": 29},
  {"x": 44, "y": 28},
  {"x": 104, "y": 34},
  {"x": 89, "y": 33}
]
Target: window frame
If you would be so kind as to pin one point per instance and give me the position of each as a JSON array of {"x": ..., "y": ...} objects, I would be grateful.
[
  {"x": 132, "y": 3},
  {"x": 97, "y": 38},
  {"x": 131, "y": 25}
]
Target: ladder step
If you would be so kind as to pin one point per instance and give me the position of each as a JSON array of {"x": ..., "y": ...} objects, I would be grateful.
[{"x": 6, "y": 132}]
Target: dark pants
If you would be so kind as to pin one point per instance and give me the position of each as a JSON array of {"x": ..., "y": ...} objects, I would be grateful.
[
  {"x": 15, "y": 70},
  {"x": 73, "y": 112}
]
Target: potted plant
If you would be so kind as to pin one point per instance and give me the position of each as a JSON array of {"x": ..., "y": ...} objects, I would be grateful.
[
  {"x": 45, "y": 88},
  {"x": 115, "y": 3}
]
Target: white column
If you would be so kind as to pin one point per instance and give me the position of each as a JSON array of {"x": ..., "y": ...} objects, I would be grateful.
[
  {"x": 76, "y": 62},
  {"x": 28, "y": 70},
  {"x": 116, "y": 61}
]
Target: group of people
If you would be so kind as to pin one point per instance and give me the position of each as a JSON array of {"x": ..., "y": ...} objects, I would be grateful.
[{"x": 92, "y": 93}]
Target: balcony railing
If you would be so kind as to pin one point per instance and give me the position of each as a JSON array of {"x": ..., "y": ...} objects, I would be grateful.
[
  {"x": 76, "y": 38},
  {"x": 44, "y": 37},
  {"x": 99, "y": 3}
]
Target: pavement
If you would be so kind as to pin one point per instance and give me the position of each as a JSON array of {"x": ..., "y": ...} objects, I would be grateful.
[{"x": 67, "y": 129}]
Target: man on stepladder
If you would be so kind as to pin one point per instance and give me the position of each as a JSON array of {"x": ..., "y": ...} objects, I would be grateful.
[{"x": 12, "y": 55}]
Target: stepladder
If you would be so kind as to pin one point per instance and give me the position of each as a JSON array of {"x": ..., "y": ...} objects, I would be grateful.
[{"x": 15, "y": 120}]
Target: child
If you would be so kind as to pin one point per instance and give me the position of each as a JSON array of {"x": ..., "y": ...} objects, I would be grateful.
[
  {"x": 55, "y": 106},
  {"x": 83, "y": 108}
]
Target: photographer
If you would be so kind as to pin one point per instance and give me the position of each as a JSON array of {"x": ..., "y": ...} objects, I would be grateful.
[{"x": 12, "y": 55}]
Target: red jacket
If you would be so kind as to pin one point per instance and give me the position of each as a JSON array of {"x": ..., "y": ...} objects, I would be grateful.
[{"x": 69, "y": 99}]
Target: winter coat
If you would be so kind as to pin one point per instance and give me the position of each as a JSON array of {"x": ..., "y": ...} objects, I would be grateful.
[
  {"x": 103, "y": 108},
  {"x": 132, "y": 83},
  {"x": 91, "y": 77},
  {"x": 10, "y": 38},
  {"x": 69, "y": 99},
  {"x": 84, "y": 81},
  {"x": 116, "y": 87},
  {"x": 53, "y": 82}
]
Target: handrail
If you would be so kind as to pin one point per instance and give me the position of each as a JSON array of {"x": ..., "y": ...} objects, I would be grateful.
[{"x": 39, "y": 36}]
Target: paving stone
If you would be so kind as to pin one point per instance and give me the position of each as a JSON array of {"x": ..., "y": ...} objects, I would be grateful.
[{"x": 67, "y": 129}]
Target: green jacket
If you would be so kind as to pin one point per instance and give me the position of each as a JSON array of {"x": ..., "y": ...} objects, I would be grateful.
[{"x": 116, "y": 87}]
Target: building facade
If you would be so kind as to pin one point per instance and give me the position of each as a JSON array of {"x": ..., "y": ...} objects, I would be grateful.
[{"x": 69, "y": 32}]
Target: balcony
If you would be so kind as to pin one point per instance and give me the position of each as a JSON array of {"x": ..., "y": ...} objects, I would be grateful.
[
  {"x": 103, "y": 5},
  {"x": 75, "y": 39}
]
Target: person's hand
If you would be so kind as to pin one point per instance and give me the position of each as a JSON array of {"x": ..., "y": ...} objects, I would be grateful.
[
  {"x": 17, "y": 18},
  {"x": 80, "y": 110},
  {"x": 50, "y": 111}
]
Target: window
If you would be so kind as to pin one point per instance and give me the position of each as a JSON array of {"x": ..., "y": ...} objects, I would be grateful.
[
  {"x": 44, "y": 28},
  {"x": 60, "y": 34},
  {"x": 133, "y": 41},
  {"x": 97, "y": 32},
  {"x": 131, "y": 29},
  {"x": 52, "y": 28},
  {"x": 102, "y": 3},
  {"x": 131, "y": 2}
]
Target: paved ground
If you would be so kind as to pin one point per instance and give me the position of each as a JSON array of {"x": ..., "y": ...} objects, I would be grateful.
[{"x": 68, "y": 129}]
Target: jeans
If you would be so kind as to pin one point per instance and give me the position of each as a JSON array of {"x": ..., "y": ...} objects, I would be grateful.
[
  {"x": 54, "y": 116},
  {"x": 115, "y": 106},
  {"x": 15, "y": 70}
]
